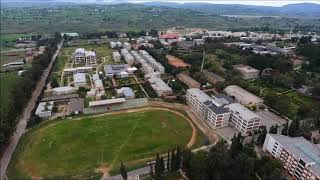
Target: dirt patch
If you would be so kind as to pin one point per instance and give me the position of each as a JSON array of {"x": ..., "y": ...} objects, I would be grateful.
[
  {"x": 177, "y": 62},
  {"x": 104, "y": 169}
]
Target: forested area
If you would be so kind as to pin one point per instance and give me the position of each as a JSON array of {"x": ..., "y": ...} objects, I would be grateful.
[
  {"x": 219, "y": 163},
  {"x": 19, "y": 96}
]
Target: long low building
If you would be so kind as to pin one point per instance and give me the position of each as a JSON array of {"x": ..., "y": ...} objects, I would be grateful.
[
  {"x": 189, "y": 81},
  {"x": 243, "y": 97},
  {"x": 159, "y": 86},
  {"x": 107, "y": 102},
  {"x": 246, "y": 71},
  {"x": 299, "y": 157},
  {"x": 83, "y": 69}
]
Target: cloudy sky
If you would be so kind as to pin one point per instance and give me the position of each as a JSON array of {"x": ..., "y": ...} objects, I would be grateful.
[{"x": 250, "y": 2}]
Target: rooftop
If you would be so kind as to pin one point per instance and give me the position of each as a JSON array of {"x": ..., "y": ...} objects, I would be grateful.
[
  {"x": 79, "y": 78},
  {"x": 245, "y": 68},
  {"x": 201, "y": 96},
  {"x": 245, "y": 113},
  {"x": 107, "y": 102},
  {"x": 301, "y": 148},
  {"x": 239, "y": 92}
]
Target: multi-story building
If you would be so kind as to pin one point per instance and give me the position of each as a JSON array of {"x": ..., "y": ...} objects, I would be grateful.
[
  {"x": 127, "y": 46},
  {"x": 246, "y": 71},
  {"x": 81, "y": 56},
  {"x": 243, "y": 97},
  {"x": 299, "y": 157},
  {"x": 154, "y": 64},
  {"x": 189, "y": 81},
  {"x": 127, "y": 56},
  {"x": 159, "y": 86},
  {"x": 116, "y": 56},
  {"x": 91, "y": 58},
  {"x": 206, "y": 109},
  {"x": 243, "y": 119}
]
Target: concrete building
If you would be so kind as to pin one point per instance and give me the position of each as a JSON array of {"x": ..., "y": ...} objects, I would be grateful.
[
  {"x": 113, "y": 45},
  {"x": 81, "y": 56},
  {"x": 91, "y": 58},
  {"x": 107, "y": 102},
  {"x": 243, "y": 97},
  {"x": 83, "y": 69},
  {"x": 299, "y": 157},
  {"x": 44, "y": 109},
  {"x": 127, "y": 46},
  {"x": 127, "y": 56},
  {"x": 206, "y": 109},
  {"x": 126, "y": 92},
  {"x": 246, "y": 71},
  {"x": 189, "y": 81},
  {"x": 79, "y": 80},
  {"x": 116, "y": 56},
  {"x": 63, "y": 90},
  {"x": 159, "y": 86},
  {"x": 120, "y": 70},
  {"x": 243, "y": 119},
  {"x": 146, "y": 68},
  {"x": 212, "y": 77},
  {"x": 119, "y": 44},
  {"x": 150, "y": 60},
  {"x": 97, "y": 89}
]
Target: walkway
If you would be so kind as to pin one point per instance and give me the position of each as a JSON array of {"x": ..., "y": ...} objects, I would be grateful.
[{"x": 21, "y": 126}]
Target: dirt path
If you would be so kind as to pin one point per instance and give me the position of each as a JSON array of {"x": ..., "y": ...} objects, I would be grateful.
[{"x": 21, "y": 126}]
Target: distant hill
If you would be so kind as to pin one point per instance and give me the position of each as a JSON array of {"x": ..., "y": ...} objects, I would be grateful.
[{"x": 308, "y": 10}]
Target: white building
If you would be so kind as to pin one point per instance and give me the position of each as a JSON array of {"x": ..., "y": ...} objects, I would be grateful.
[
  {"x": 127, "y": 57},
  {"x": 127, "y": 46},
  {"x": 243, "y": 97},
  {"x": 91, "y": 58},
  {"x": 79, "y": 80},
  {"x": 119, "y": 44},
  {"x": 246, "y": 71},
  {"x": 116, "y": 56},
  {"x": 243, "y": 119},
  {"x": 206, "y": 109},
  {"x": 150, "y": 60},
  {"x": 63, "y": 90},
  {"x": 83, "y": 69},
  {"x": 159, "y": 86},
  {"x": 97, "y": 89},
  {"x": 299, "y": 157},
  {"x": 113, "y": 45},
  {"x": 81, "y": 56},
  {"x": 44, "y": 109},
  {"x": 126, "y": 92}
]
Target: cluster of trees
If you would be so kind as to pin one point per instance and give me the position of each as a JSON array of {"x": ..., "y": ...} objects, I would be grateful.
[
  {"x": 20, "y": 95},
  {"x": 114, "y": 34},
  {"x": 238, "y": 162},
  {"x": 164, "y": 167}
]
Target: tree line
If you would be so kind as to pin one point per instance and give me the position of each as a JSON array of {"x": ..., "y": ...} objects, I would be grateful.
[{"x": 22, "y": 92}]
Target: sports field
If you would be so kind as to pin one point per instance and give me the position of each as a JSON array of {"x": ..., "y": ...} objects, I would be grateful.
[{"x": 80, "y": 147}]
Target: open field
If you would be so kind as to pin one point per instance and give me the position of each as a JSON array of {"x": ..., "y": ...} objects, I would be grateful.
[
  {"x": 176, "y": 62},
  {"x": 82, "y": 146},
  {"x": 301, "y": 99}
]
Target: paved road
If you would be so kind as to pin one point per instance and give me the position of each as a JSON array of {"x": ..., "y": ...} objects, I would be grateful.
[{"x": 21, "y": 126}]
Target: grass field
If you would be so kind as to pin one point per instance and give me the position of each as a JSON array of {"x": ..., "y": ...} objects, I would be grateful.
[{"x": 75, "y": 147}]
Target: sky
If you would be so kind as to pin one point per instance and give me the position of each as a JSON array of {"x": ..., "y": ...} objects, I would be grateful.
[{"x": 250, "y": 2}]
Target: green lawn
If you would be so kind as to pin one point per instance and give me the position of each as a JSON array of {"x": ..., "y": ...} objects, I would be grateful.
[
  {"x": 74, "y": 147},
  {"x": 305, "y": 100}
]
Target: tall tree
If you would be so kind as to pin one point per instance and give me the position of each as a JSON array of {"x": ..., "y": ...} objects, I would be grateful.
[
  {"x": 273, "y": 129},
  {"x": 123, "y": 171},
  {"x": 284, "y": 131},
  {"x": 294, "y": 129},
  {"x": 262, "y": 136},
  {"x": 178, "y": 158},
  {"x": 162, "y": 166},
  {"x": 168, "y": 161},
  {"x": 157, "y": 167},
  {"x": 173, "y": 161},
  {"x": 236, "y": 145}
]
